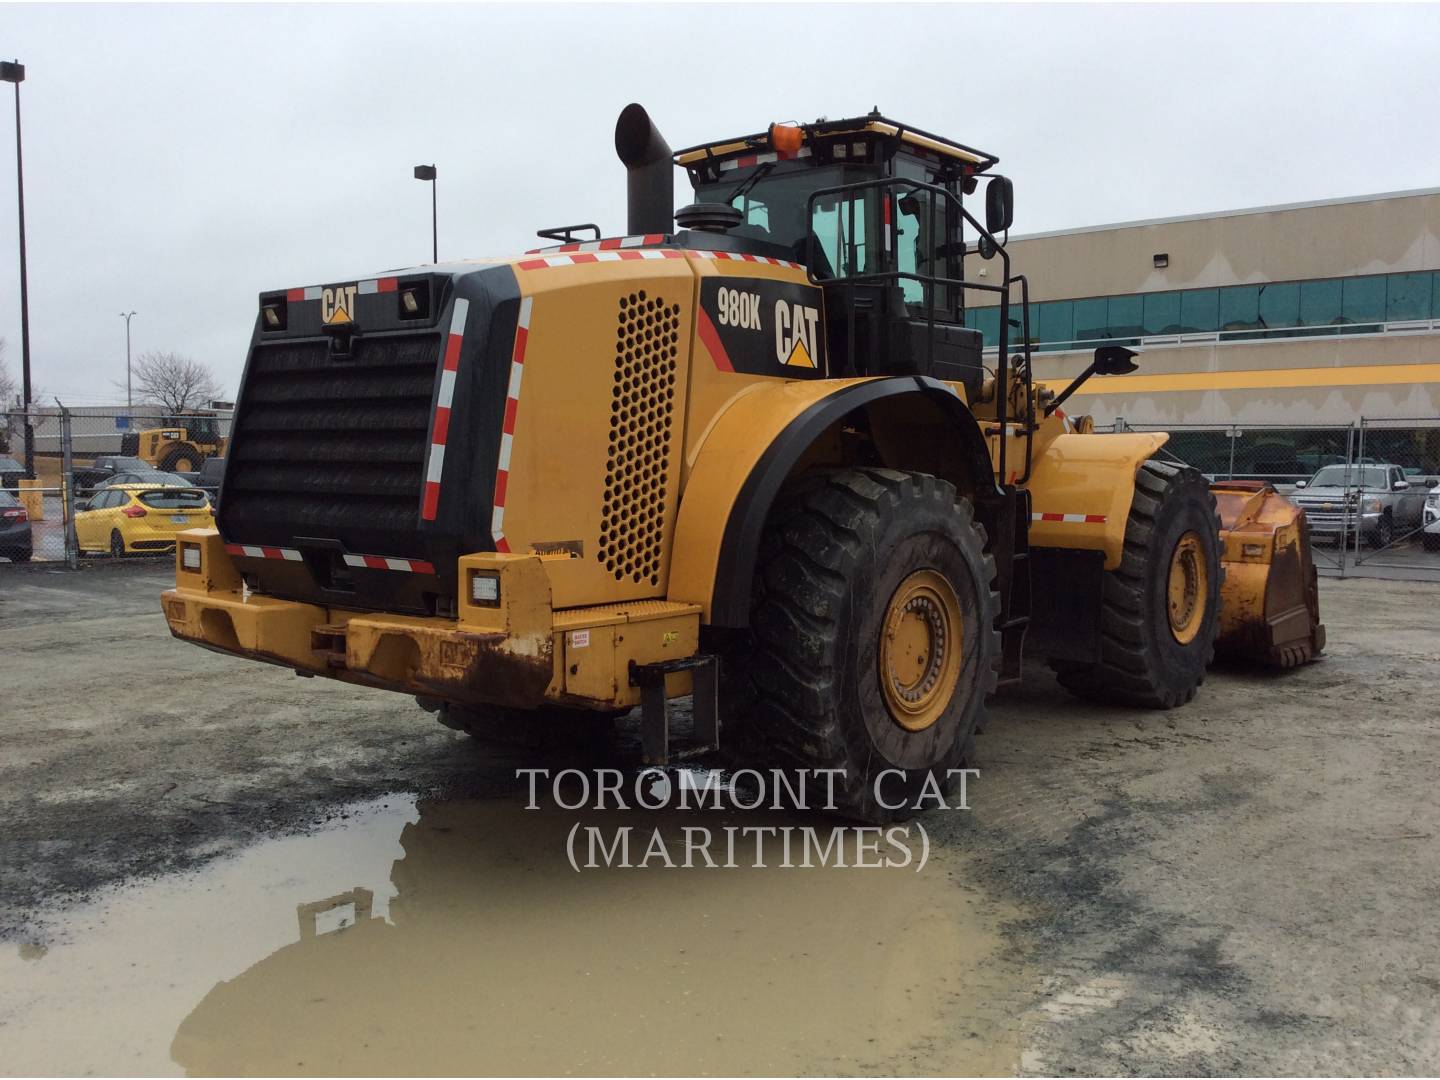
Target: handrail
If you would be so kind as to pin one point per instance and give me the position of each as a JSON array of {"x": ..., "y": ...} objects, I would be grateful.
[{"x": 893, "y": 275}]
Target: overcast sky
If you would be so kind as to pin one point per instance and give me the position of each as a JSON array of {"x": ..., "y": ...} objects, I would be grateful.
[{"x": 178, "y": 160}]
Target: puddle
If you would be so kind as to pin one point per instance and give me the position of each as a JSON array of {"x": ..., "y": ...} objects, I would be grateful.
[{"x": 454, "y": 937}]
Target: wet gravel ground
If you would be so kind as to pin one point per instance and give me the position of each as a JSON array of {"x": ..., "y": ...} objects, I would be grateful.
[{"x": 1247, "y": 884}]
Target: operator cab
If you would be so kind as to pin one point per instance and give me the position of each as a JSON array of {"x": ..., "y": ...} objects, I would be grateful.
[{"x": 874, "y": 210}]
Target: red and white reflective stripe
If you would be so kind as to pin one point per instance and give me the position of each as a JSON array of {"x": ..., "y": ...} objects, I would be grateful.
[
  {"x": 630, "y": 254},
  {"x": 380, "y": 562},
  {"x": 364, "y": 288},
  {"x": 612, "y": 243},
  {"x": 747, "y": 160},
  {"x": 1071, "y": 519},
  {"x": 507, "y": 433},
  {"x": 257, "y": 552},
  {"x": 440, "y": 428},
  {"x": 581, "y": 258},
  {"x": 885, "y": 206}
]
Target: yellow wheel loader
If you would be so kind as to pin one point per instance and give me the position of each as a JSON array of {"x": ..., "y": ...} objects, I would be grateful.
[
  {"x": 181, "y": 444},
  {"x": 747, "y": 451}
]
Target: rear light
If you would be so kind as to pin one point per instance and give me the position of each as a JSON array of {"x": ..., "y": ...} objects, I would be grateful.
[
  {"x": 190, "y": 557},
  {"x": 485, "y": 588},
  {"x": 17, "y": 515},
  {"x": 134, "y": 511}
]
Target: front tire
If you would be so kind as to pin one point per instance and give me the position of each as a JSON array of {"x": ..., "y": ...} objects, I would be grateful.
[
  {"x": 1160, "y": 608},
  {"x": 873, "y": 624},
  {"x": 180, "y": 460}
]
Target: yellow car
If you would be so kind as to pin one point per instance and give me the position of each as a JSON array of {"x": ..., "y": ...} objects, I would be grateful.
[{"x": 140, "y": 517}]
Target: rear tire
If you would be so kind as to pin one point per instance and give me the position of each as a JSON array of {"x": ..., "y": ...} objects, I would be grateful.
[
  {"x": 117, "y": 544},
  {"x": 874, "y": 641},
  {"x": 180, "y": 460},
  {"x": 1156, "y": 638}
]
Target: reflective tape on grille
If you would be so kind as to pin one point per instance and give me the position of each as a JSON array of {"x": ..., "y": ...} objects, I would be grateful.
[
  {"x": 381, "y": 562},
  {"x": 363, "y": 288},
  {"x": 582, "y": 258},
  {"x": 507, "y": 435},
  {"x": 256, "y": 551},
  {"x": 1071, "y": 519},
  {"x": 760, "y": 159},
  {"x": 444, "y": 399}
]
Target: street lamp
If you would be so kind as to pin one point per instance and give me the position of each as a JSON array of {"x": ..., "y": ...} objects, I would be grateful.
[
  {"x": 12, "y": 71},
  {"x": 127, "y": 316},
  {"x": 427, "y": 172}
]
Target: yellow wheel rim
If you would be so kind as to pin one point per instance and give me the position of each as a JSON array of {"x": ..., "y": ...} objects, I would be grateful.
[
  {"x": 921, "y": 644},
  {"x": 1187, "y": 588},
  {"x": 184, "y": 465}
]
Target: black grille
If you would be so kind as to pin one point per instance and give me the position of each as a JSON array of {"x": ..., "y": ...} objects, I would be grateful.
[{"x": 333, "y": 448}]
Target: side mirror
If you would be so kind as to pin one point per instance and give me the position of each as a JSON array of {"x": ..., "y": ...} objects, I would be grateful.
[
  {"x": 999, "y": 204},
  {"x": 1302, "y": 483},
  {"x": 1401, "y": 485}
]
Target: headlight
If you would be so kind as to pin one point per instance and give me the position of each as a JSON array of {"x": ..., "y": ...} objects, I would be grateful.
[
  {"x": 1433, "y": 499},
  {"x": 190, "y": 557},
  {"x": 1371, "y": 506}
]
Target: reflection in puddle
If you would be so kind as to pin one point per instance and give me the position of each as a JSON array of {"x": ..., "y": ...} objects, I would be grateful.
[{"x": 481, "y": 951}]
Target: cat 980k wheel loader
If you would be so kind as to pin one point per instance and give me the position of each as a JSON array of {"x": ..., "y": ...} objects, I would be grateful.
[{"x": 748, "y": 450}]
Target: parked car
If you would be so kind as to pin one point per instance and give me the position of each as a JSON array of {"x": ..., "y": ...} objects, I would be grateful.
[
  {"x": 140, "y": 517},
  {"x": 15, "y": 542},
  {"x": 153, "y": 477},
  {"x": 1431, "y": 536},
  {"x": 1375, "y": 500},
  {"x": 211, "y": 473},
  {"x": 11, "y": 472},
  {"x": 105, "y": 467}
]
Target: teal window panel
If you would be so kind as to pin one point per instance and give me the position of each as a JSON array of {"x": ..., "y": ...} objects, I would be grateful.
[
  {"x": 1363, "y": 300},
  {"x": 1407, "y": 296},
  {"x": 1279, "y": 305},
  {"x": 1239, "y": 308},
  {"x": 1199, "y": 311},
  {"x": 1162, "y": 313},
  {"x": 1321, "y": 302},
  {"x": 1057, "y": 321},
  {"x": 1126, "y": 316},
  {"x": 1092, "y": 319}
]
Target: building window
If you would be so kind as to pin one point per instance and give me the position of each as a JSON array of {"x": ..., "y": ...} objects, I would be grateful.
[
  {"x": 1407, "y": 297},
  {"x": 1239, "y": 308},
  {"x": 1363, "y": 303},
  {"x": 1199, "y": 311},
  {"x": 1092, "y": 319},
  {"x": 1320, "y": 302},
  {"x": 1162, "y": 313},
  {"x": 1279, "y": 306}
]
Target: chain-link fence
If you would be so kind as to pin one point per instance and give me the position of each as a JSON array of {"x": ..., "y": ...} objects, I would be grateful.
[
  {"x": 82, "y": 483},
  {"x": 1369, "y": 489}
]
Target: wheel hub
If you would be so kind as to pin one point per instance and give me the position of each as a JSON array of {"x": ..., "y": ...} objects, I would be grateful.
[
  {"x": 921, "y": 644},
  {"x": 1187, "y": 588}
]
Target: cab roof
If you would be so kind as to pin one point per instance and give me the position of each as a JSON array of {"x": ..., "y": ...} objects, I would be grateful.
[{"x": 915, "y": 140}]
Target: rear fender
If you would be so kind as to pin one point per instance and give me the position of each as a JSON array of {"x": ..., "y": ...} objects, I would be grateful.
[{"x": 769, "y": 433}]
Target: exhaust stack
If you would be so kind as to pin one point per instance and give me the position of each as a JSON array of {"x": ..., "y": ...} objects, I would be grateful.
[{"x": 650, "y": 173}]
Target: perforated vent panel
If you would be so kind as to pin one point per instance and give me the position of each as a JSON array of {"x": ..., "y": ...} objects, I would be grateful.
[{"x": 641, "y": 412}]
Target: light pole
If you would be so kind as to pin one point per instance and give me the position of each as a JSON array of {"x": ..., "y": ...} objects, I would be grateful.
[
  {"x": 427, "y": 172},
  {"x": 12, "y": 71},
  {"x": 127, "y": 316}
]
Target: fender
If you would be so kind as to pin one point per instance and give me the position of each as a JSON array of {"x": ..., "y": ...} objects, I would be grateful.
[
  {"x": 749, "y": 452},
  {"x": 1081, "y": 487}
]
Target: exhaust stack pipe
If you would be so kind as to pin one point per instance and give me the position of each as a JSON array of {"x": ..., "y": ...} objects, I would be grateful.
[{"x": 650, "y": 173}]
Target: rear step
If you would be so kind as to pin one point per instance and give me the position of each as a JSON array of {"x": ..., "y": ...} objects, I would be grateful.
[{"x": 655, "y": 742}]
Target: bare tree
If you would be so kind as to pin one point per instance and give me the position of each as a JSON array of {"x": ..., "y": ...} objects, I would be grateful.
[
  {"x": 7, "y": 382},
  {"x": 173, "y": 380}
]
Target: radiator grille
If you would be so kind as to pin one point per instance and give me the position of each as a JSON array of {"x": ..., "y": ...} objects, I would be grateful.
[
  {"x": 641, "y": 412},
  {"x": 333, "y": 448}
]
